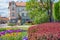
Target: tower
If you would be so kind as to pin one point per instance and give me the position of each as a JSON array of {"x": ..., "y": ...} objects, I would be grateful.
[{"x": 13, "y": 12}]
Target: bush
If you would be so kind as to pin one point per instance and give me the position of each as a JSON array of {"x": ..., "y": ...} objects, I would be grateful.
[
  {"x": 46, "y": 31},
  {"x": 2, "y": 29},
  {"x": 41, "y": 19},
  {"x": 29, "y": 23},
  {"x": 11, "y": 24}
]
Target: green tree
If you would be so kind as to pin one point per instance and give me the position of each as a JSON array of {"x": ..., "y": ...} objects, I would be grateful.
[
  {"x": 49, "y": 8},
  {"x": 37, "y": 11},
  {"x": 57, "y": 11}
]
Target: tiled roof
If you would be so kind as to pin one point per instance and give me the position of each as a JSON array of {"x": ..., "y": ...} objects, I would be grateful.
[
  {"x": 20, "y": 3},
  {"x": 4, "y": 18}
]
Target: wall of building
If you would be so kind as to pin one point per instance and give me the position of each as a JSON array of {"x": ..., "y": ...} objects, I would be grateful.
[
  {"x": 18, "y": 10},
  {"x": 23, "y": 13},
  {"x": 13, "y": 13}
]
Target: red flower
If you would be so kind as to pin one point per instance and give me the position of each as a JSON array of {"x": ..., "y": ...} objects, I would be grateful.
[{"x": 46, "y": 28}]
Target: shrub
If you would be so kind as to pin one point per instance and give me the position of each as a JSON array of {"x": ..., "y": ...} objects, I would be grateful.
[
  {"x": 46, "y": 31},
  {"x": 11, "y": 24},
  {"x": 2, "y": 29}
]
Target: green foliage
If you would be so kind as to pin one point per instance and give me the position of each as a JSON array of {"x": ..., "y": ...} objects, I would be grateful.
[
  {"x": 37, "y": 11},
  {"x": 41, "y": 19},
  {"x": 2, "y": 29},
  {"x": 11, "y": 24},
  {"x": 57, "y": 11},
  {"x": 28, "y": 23}
]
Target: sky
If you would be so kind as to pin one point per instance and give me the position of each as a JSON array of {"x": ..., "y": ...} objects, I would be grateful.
[{"x": 4, "y": 11}]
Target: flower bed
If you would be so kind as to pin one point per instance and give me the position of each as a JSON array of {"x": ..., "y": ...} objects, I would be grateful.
[
  {"x": 46, "y": 31},
  {"x": 13, "y": 34}
]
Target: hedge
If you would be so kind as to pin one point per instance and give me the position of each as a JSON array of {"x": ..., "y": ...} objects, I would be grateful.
[{"x": 46, "y": 31}]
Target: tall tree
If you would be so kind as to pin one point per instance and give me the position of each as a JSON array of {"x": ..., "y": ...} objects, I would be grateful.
[
  {"x": 49, "y": 8},
  {"x": 57, "y": 11},
  {"x": 37, "y": 11}
]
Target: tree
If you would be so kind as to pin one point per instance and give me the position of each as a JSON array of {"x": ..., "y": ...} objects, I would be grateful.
[
  {"x": 57, "y": 11},
  {"x": 49, "y": 8},
  {"x": 37, "y": 11}
]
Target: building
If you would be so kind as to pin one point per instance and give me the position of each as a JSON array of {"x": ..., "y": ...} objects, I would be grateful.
[
  {"x": 18, "y": 10},
  {"x": 13, "y": 12},
  {"x": 3, "y": 20}
]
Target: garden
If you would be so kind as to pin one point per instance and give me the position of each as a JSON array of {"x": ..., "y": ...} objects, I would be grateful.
[
  {"x": 45, "y": 17},
  {"x": 45, "y": 31},
  {"x": 13, "y": 34}
]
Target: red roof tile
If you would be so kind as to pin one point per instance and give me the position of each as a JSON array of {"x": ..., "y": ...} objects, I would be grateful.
[
  {"x": 3, "y": 18},
  {"x": 20, "y": 3}
]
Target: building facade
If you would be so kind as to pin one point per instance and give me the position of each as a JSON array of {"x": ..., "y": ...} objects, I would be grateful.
[
  {"x": 4, "y": 20},
  {"x": 18, "y": 10},
  {"x": 13, "y": 12}
]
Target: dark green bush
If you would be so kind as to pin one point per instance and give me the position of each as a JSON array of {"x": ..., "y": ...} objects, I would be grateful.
[
  {"x": 11, "y": 24},
  {"x": 2, "y": 29}
]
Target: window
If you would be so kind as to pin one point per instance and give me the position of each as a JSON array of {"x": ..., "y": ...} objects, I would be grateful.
[
  {"x": 13, "y": 14},
  {"x": 13, "y": 20},
  {"x": 25, "y": 14},
  {"x": 12, "y": 8},
  {"x": 23, "y": 9},
  {"x": 22, "y": 14},
  {"x": 13, "y": 3}
]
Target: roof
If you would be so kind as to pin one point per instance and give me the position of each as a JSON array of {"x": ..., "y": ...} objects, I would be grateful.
[
  {"x": 4, "y": 18},
  {"x": 20, "y": 3}
]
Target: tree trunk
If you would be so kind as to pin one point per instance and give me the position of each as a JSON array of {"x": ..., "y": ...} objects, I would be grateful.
[
  {"x": 51, "y": 16},
  {"x": 50, "y": 11}
]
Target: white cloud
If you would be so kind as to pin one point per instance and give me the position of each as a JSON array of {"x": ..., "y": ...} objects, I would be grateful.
[
  {"x": 4, "y": 1},
  {"x": 3, "y": 5},
  {"x": 1, "y": 0}
]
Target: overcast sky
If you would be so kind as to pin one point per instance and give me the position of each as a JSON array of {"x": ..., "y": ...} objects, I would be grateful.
[{"x": 4, "y": 12}]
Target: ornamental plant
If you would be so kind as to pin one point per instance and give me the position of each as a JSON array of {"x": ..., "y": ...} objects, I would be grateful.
[
  {"x": 46, "y": 31},
  {"x": 12, "y": 34}
]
